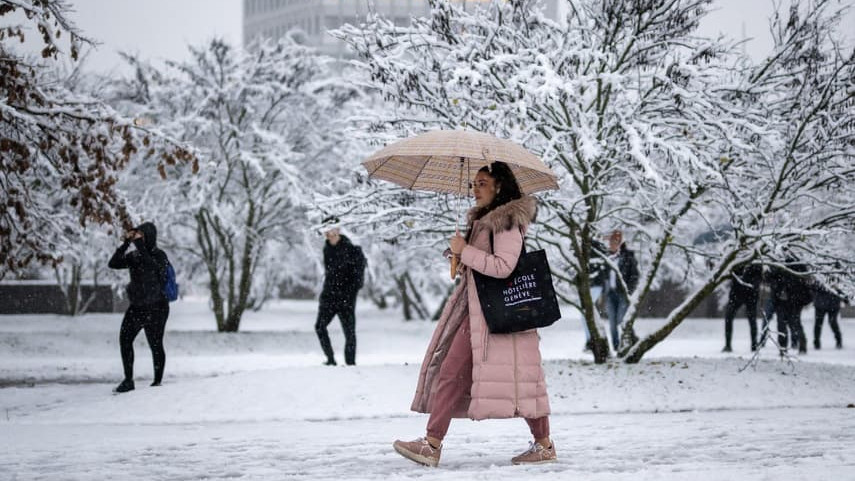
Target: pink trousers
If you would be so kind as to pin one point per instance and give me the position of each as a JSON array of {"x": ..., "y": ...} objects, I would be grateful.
[{"x": 455, "y": 381}]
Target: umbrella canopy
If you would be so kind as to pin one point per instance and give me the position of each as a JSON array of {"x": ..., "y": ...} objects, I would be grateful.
[{"x": 445, "y": 161}]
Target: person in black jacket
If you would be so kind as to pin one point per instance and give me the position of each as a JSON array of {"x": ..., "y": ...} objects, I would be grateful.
[
  {"x": 344, "y": 266},
  {"x": 826, "y": 302},
  {"x": 792, "y": 293},
  {"x": 744, "y": 290},
  {"x": 616, "y": 297},
  {"x": 149, "y": 307}
]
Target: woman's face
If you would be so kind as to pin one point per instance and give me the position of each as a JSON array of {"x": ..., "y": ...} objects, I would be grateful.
[{"x": 484, "y": 189}]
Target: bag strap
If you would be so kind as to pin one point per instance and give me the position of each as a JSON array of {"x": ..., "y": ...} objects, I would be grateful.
[{"x": 491, "y": 242}]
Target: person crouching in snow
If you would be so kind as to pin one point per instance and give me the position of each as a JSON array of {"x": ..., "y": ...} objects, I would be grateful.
[{"x": 467, "y": 371}]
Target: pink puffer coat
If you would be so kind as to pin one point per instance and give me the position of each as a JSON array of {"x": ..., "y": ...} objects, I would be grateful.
[{"x": 507, "y": 376}]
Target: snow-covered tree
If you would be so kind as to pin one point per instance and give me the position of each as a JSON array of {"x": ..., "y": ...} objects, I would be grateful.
[
  {"x": 264, "y": 122},
  {"x": 652, "y": 129},
  {"x": 59, "y": 151}
]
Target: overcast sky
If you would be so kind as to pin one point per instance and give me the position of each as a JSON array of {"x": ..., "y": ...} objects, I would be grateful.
[{"x": 161, "y": 29}]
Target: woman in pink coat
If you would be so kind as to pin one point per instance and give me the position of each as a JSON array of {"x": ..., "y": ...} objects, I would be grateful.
[{"x": 467, "y": 371}]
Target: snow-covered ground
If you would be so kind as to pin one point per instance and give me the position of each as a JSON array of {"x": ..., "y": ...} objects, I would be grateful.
[{"x": 258, "y": 405}]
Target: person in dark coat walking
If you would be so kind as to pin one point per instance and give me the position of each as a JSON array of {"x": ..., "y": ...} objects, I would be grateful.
[
  {"x": 149, "y": 307},
  {"x": 744, "y": 291},
  {"x": 792, "y": 293},
  {"x": 616, "y": 297},
  {"x": 826, "y": 302},
  {"x": 344, "y": 268}
]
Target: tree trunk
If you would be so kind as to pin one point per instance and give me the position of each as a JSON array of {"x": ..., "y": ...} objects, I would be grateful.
[
  {"x": 405, "y": 298},
  {"x": 72, "y": 296},
  {"x": 214, "y": 244},
  {"x": 416, "y": 302},
  {"x": 72, "y": 290},
  {"x": 438, "y": 312},
  {"x": 378, "y": 299},
  {"x": 638, "y": 349},
  {"x": 232, "y": 323}
]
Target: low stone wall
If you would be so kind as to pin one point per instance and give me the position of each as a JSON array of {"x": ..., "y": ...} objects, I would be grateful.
[{"x": 44, "y": 298}]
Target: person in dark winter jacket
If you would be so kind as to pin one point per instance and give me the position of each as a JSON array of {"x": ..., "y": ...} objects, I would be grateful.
[
  {"x": 792, "y": 293},
  {"x": 149, "y": 307},
  {"x": 344, "y": 267},
  {"x": 826, "y": 302},
  {"x": 744, "y": 291},
  {"x": 616, "y": 297}
]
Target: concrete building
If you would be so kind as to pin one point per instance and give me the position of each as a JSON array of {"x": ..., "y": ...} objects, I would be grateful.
[{"x": 273, "y": 18}]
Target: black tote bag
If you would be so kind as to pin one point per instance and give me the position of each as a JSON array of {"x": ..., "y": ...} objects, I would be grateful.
[{"x": 522, "y": 301}]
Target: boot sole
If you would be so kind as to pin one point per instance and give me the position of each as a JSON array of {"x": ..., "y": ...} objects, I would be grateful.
[
  {"x": 545, "y": 461},
  {"x": 416, "y": 458}
]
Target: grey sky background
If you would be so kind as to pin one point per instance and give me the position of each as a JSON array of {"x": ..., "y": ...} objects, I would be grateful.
[{"x": 162, "y": 29}]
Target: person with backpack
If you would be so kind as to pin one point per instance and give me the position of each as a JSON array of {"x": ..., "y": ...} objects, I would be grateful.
[
  {"x": 344, "y": 272},
  {"x": 149, "y": 301}
]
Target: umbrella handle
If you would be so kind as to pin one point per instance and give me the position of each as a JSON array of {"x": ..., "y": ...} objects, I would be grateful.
[{"x": 454, "y": 261}]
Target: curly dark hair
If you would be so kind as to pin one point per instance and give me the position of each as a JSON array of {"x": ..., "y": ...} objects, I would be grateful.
[{"x": 509, "y": 190}]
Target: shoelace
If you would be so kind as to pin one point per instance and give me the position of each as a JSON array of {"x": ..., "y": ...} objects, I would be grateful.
[
  {"x": 532, "y": 447},
  {"x": 425, "y": 442}
]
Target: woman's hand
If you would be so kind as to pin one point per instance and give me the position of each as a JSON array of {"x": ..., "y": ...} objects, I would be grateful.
[{"x": 457, "y": 243}]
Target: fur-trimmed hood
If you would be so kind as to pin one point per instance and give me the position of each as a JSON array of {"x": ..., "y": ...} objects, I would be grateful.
[{"x": 516, "y": 213}]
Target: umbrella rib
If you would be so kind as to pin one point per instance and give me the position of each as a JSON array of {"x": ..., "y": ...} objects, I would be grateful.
[
  {"x": 379, "y": 165},
  {"x": 416, "y": 178}
]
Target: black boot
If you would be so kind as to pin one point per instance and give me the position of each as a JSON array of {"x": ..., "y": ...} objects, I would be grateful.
[
  {"x": 727, "y": 348},
  {"x": 816, "y": 344},
  {"x": 124, "y": 386},
  {"x": 330, "y": 362},
  {"x": 839, "y": 343}
]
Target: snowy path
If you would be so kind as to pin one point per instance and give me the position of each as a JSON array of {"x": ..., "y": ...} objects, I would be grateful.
[
  {"x": 813, "y": 444},
  {"x": 259, "y": 406}
]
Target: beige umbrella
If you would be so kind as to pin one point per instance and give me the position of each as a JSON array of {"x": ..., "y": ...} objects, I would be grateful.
[
  {"x": 445, "y": 161},
  {"x": 441, "y": 160}
]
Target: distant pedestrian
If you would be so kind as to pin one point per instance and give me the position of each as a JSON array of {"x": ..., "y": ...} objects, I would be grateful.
[
  {"x": 826, "y": 302},
  {"x": 344, "y": 272},
  {"x": 616, "y": 296},
  {"x": 768, "y": 317},
  {"x": 792, "y": 293},
  {"x": 744, "y": 291},
  {"x": 468, "y": 371},
  {"x": 149, "y": 307}
]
